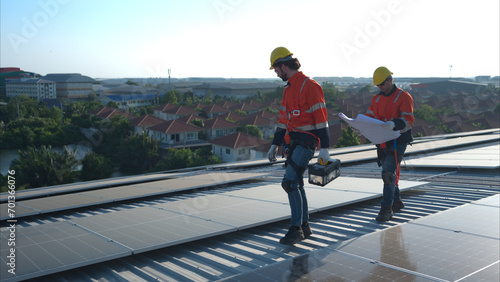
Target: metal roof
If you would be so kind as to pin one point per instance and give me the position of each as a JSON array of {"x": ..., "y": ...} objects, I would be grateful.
[{"x": 333, "y": 252}]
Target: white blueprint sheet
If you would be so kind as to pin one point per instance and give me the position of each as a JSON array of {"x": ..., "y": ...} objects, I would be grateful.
[{"x": 371, "y": 128}]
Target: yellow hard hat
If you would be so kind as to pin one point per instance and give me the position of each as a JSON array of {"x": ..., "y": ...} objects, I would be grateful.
[
  {"x": 279, "y": 54},
  {"x": 381, "y": 74}
]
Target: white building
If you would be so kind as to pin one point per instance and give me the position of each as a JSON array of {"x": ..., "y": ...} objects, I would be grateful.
[
  {"x": 58, "y": 85},
  {"x": 36, "y": 88},
  {"x": 236, "y": 147}
]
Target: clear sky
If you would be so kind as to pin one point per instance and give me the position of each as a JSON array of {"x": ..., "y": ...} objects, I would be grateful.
[{"x": 234, "y": 38}]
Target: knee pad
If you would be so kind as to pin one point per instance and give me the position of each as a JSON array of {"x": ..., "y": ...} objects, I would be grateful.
[
  {"x": 388, "y": 177},
  {"x": 287, "y": 186}
]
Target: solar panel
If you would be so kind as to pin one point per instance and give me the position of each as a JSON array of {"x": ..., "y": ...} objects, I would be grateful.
[
  {"x": 326, "y": 265},
  {"x": 75, "y": 187},
  {"x": 232, "y": 211},
  {"x": 337, "y": 193},
  {"x": 20, "y": 211},
  {"x": 49, "y": 248},
  {"x": 493, "y": 201},
  {"x": 467, "y": 219},
  {"x": 487, "y": 157},
  {"x": 107, "y": 195},
  {"x": 430, "y": 251},
  {"x": 146, "y": 228},
  {"x": 61, "y": 202}
]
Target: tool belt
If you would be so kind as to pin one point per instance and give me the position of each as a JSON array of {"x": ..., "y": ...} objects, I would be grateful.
[{"x": 310, "y": 144}]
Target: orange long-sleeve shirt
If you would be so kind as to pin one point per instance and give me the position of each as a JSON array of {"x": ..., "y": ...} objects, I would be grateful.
[
  {"x": 303, "y": 109},
  {"x": 396, "y": 106}
]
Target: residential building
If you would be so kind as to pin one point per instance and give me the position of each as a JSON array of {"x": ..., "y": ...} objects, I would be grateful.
[
  {"x": 107, "y": 113},
  {"x": 266, "y": 125},
  {"x": 190, "y": 118},
  {"x": 218, "y": 127},
  {"x": 175, "y": 132},
  {"x": 143, "y": 123},
  {"x": 246, "y": 107},
  {"x": 171, "y": 112},
  {"x": 214, "y": 110},
  {"x": 236, "y": 147},
  {"x": 231, "y": 116}
]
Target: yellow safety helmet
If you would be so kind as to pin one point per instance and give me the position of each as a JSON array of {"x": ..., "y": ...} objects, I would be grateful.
[
  {"x": 380, "y": 75},
  {"x": 280, "y": 54}
]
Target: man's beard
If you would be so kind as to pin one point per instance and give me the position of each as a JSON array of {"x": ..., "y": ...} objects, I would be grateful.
[{"x": 283, "y": 76}]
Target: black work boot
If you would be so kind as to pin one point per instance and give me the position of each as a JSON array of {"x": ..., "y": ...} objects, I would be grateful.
[
  {"x": 306, "y": 229},
  {"x": 385, "y": 213},
  {"x": 294, "y": 235},
  {"x": 397, "y": 206}
]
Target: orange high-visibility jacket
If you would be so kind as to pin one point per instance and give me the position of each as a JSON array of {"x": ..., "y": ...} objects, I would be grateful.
[
  {"x": 396, "y": 106},
  {"x": 303, "y": 109}
]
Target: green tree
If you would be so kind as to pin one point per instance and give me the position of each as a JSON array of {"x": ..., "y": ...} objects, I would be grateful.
[
  {"x": 21, "y": 107},
  {"x": 188, "y": 101},
  {"x": 208, "y": 99},
  {"x": 198, "y": 122},
  {"x": 44, "y": 167},
  {"x": 184, "y": 158},
  {"x": 36, "y": 131},
  {"x": 95, "y": 166},
  {"x": 169, "y": 97},
  {"x": 252, "y": 130},
  {"x": 240, "y": 112},
  {"x": 138, "y": 153},
  {"x": 112, "y": 135},
  {"x": 348, "y": 138},
  {"x": 112, "y": 104},
  {"x": 271, "y": 110},
  {"x": 129, "y": 82},
  {"x": 426, "y": 113}
]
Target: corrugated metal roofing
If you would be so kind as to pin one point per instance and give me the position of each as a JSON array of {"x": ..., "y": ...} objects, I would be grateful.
[{"x": 231, "y": 256}]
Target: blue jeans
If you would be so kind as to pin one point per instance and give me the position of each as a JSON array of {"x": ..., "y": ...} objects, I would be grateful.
[
  {"x": 388, "y": 161},
  {"x": 297, "y": 197}
]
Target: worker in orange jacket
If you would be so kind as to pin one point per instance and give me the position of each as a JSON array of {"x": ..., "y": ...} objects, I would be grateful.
[
  {"x": 394, "y": 106},
  {"x": 303, "y": 115}
]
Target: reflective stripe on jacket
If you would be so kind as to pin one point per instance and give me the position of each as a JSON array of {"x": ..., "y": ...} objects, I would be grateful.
[
  {"x": 303, "y": 105},
  {"x": 396, "y": 106}
]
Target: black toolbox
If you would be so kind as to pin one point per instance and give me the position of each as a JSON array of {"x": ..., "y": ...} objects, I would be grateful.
[{"x": 322, "y": 175}]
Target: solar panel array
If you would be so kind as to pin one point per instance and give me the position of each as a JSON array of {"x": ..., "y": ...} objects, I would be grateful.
[
  {"x": 420, "y": 249},
  {"x": 454, "y": 245},
  {"x": 482, "y": 157},
  {"x": 53, "y": 247},
  {"x": 107, "y": 195}
]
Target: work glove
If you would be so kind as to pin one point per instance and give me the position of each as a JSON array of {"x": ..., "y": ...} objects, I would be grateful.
[
  {"x": 324, "y": 156},
  {"x": 388, "y": 125},
  {"x": 271, "y": 155}
]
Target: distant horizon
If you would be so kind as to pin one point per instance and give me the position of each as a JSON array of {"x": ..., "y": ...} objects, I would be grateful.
[
  {"x": 251, "y": 78},
  {"x": 234, "y": 39}
]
